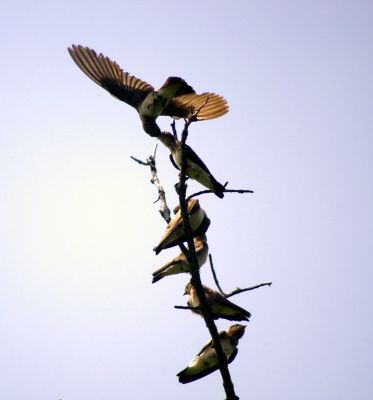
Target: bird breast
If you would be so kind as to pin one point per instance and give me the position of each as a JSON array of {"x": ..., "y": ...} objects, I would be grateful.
[
  {"x": 152, "y": 105},
  {"x": 196, "y": 218}
]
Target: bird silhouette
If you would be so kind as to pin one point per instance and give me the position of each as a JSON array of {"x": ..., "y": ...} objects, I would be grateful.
[
  {"x": 195, "y": 167},
  {"x": 206, "y": 361},
  {"x": 175, "y": 233},
  {"x": 220, "y": 307},
  {"x": 175, "y": 98},
  {"x": 180, "y": 264}
]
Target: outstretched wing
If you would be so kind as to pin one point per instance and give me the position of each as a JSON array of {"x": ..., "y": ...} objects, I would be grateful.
[
  {"x": 110, "y": 76},
  {"x": 203, "y": 106}
]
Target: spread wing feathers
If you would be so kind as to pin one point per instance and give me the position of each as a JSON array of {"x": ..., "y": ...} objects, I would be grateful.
[
  {"x": 210, "y": 105},
  {"x": 110, "y": 76}
]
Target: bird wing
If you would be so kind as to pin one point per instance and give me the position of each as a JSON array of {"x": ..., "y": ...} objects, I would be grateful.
[
  {"x": 207, "y": 345},
  {"x": 188, "y": 375},
  {"x": 184, "y": 88},
  {"x": 184, "y": 378},
  {"x": 222, "y": 336},
  {"x": 232, "y": 356},
  {"x": 173, "y": 162},
  {"x": 205, "y": 105},
  {"x": 227, "y": 305},
  {"x": 176, "y": 222},
  {"x": 191, "y": 204},
  {"x": 192, "y": 156},
  {"x": 174, "y": 261},
  {"x": 110, "y": 76}
]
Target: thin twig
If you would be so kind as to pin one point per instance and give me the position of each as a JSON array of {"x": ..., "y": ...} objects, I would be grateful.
[
  {"x": 234, "y": 292},
  {"x": 139, "y": 161},
  {"x": 215, "y": 276},
  {"x": 155, "y": 151},
  {"x": 242, "y": 191},
  {"x": 187, "y": 308},
  {"x": 174, "y": 131},
  {"x": 150, "y": 162},
  {"x": 238, "y": 290}
]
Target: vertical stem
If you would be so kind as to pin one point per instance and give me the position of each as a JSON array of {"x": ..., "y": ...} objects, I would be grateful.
[{"x": 196, "y": 279}]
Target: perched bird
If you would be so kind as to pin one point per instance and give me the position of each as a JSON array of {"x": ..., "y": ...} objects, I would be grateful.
[
  {"x": 175, "y": 234},
  {"x": 175, "y": 98},
  {"x": 220, "y": 306},
  {"x": 206, "y": 360},
  {"x": 180, "y": 263},
  {"x": 195, "y": 167}
]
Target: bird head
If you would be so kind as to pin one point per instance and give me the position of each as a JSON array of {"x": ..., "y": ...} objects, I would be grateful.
[{"x": 236, "y": 330}]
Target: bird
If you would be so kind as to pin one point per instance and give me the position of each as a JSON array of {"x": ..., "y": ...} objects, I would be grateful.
[
  {"x": 180, "y": 264},
  {"x": 206, "y": 361},
  {"x": 195, "y": 167},
  {"x": 174, "y": 98},
  {"x": 220, "y": 307},
  {"x": 175, "y": 234}
]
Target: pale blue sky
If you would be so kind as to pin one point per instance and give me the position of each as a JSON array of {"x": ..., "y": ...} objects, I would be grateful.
[{"x": 79, "y": 317}]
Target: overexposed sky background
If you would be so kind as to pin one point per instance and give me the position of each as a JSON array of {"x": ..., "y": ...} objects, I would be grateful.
[{"x": 79, "y": 317}]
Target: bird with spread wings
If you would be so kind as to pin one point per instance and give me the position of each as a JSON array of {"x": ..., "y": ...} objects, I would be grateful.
[{"x": 175, "y": 98}]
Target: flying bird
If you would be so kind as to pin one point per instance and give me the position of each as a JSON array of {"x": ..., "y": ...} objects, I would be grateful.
[
  {"x": 195, "y": 167},
  {"x": 175, "y": 97},
  {"x": 220, "y": 307},
  {"x": 206, "y": 361},
  {"x": 175, "y": 234},
  {"x": 180, "y": 264}
]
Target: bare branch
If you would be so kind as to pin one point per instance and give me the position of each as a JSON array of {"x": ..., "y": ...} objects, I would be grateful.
[
  {"x": 238, "y": 290},
  {"x": 195, "y": 277},
  {"x": 150, "y": 162},
  {"x": 173, "y": 126},
  {"x": 190, "y": 252},
  {"x": 187, "y": 308},
  {"x": 215, "y": 276},
  {"x": 139, "y": 161},
  {"x": 242, "y": 191},
  {"x": 155, "y": 150}
]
